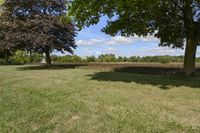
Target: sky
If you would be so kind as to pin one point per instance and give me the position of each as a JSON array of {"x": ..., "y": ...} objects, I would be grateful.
[{"x": 91, "y": 41}]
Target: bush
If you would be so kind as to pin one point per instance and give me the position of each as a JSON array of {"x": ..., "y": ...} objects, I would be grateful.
[
  {"x": 36, "y": 58},
  {"x": 20, "y": 57}
]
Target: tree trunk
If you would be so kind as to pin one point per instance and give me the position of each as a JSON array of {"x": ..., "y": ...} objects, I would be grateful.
[
  {"x": 48, "y": 57},
  {"x": 190, "y": 56}
]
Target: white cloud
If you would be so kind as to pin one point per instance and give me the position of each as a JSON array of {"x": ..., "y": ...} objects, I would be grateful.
[
  {"x": 113, "y": 41},
  {"x": 147, "y": 38},
  {"x": 109, "y": 45},
  {"x": 89, "y": 42},
  {"x": 111, "y": 50},
  {"x": 119, "y": 40},
  {"x": 159, "y": 51},
  {"x": 156, "y": 51}
]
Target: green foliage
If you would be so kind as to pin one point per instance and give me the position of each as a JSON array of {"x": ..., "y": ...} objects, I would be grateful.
[
  {"x": 112, "y": 58},
  {"x": 162, "y": 59},
  {"x": 107, "y": 58},
  {"x": 174, "y": 22},
  {"x": 67, "y": 59},
  {"x": 20, "y": 57},
  {"x": 91, "y": 59},
  {"x": 165, "y": 60},
  {"x": 135, "y": 59},
  {"x": 171, "y": 21},
  {"x": 36, "y": 25},
  {"x": 76, "y": 59},
  {"x": 23, "y": 57},
  {"x": 36, "y": 58},
  {"x": 1, "y": 2}
]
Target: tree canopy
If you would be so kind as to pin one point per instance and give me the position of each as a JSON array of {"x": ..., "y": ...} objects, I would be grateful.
[
  {"x": 36, "y": 26},
  {"x": 174, "y": 22}
]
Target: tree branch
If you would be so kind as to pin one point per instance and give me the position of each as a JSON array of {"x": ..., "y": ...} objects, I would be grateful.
[{"x": 176, "y": 4}]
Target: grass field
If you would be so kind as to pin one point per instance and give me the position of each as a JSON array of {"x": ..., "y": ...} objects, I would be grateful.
[{"x": 92, "y": 101}]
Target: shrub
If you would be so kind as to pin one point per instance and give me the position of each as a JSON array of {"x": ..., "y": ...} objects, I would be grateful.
[
  {"x": 36, "y": 58},
  {"x": 20, "y": 57}
]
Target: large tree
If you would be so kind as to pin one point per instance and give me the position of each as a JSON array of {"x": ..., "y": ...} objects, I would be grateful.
[
  {"x": 36, "y": 25},
  {"x": 174, "y": 22}
]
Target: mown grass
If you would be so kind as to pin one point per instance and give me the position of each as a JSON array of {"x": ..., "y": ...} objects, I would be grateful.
[{"x": 89, "y": 100}]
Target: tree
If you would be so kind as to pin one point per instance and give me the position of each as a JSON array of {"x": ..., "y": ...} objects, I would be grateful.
[
  {"x": 36, "y": 25},
  {"x": 91, "y": 59},
  {"x": 107, "y": 58},
  {"x": 174, "y": 22}
]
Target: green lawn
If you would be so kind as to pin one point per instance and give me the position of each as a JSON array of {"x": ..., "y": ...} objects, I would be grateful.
[{"x": 92, "y": 101}]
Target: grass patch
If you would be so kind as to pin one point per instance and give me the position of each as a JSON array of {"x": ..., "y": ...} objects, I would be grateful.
[{"x": 89, "y": 100}]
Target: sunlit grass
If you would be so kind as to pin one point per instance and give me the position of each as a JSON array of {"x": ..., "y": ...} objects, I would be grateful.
[{"x": 84, "y": 100}]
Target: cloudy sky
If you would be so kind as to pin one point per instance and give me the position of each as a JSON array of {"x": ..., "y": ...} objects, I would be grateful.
[{"x": 91, "y": 41}]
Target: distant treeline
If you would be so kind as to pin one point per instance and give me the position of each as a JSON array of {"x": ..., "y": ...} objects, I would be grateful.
[
  {"x": 22, "y": 57},
  {"x": 114, "y": 58}
]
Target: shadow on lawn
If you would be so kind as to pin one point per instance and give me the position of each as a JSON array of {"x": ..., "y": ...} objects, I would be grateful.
[
  {"x": 53, "y": 67},
  {"x": 164, "y": 77},
  {"x": 162, "y": 81}
]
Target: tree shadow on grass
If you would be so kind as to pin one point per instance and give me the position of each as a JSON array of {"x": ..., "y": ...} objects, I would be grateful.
[
  {"x": 53, "y": 67},
  {"x": 149, "y": 76},
  {"x": 163, "y": 77}
]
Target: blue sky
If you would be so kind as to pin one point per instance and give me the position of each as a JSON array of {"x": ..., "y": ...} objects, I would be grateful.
[{"x": 91, "y": 41}]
